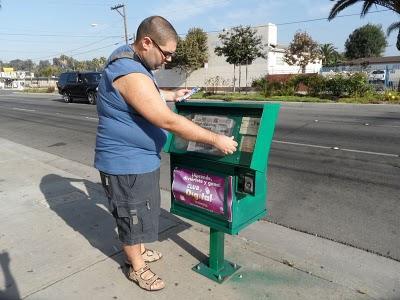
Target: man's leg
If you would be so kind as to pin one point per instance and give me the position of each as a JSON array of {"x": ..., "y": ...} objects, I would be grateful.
[
  {"x": 148, "y": 255},
  {"x": 131, "y": 253},
  {"x": 134, "y": 255},
  {"x": 136, "y": 220}
]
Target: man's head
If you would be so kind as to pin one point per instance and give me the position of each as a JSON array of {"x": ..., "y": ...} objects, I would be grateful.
[{"x": 156, "y": 41}]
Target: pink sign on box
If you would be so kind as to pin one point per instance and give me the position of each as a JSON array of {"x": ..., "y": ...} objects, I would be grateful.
[{"x": 202, "y": 190}]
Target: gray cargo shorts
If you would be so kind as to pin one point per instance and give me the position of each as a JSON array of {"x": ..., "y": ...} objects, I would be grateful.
[{"x": 134, "y": 201}]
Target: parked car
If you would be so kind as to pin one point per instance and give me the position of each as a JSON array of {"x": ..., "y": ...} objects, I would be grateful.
[
  {"x": 377, "y": 75},
  {"x": 79, "y": 85}
]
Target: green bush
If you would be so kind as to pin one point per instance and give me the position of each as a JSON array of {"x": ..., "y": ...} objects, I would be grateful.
[
  {"x": 50, "y": 89},
  {"x": 391, "y": 97},
  {"x": 315, "y": 83},
  {"x": 336, "y": 86},
  {"x": 260, "y": 85},
  {"x": 350, "y": 85},
  {"x": 273, "y": 88},
  {"x": 287, "y": 88},
  {"x": 358, "y": 85},
  {"x": 332, "y": 86}
]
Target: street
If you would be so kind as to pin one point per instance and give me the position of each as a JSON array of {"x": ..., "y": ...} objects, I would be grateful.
[{"x": 334, "y": 169}]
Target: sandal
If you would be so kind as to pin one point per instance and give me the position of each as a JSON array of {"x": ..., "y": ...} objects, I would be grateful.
[
  {"x": 151, "y": 255},
  {"x": 148, "y": 256},
  {"x": 146, "y": 284}
]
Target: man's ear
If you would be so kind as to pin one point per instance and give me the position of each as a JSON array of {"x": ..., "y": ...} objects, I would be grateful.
[{"x": 146, "y": 42}]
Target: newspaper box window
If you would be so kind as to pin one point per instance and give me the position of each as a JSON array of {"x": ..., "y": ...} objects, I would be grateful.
[{"x": 225, "y": 193}]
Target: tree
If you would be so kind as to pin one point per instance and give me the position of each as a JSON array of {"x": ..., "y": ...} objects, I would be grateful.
[
  {"x": 65, "y": 62},
  {"x": 393, "y": 27},
  {"x": 41, "y": 67},
  {"x": 366, "y": 41},
  {"x": 390, "y": 4},
  {"x": 22, "y": 65},
  {"x": 49, "y": 71},
  {"x": 102, "y": 61},
  {"x": 240, "y": 46},
  {"x": 191, "y": 52},
  {"x": 302, "y": 51},
  {"x": 96, "y": 64},
  {"x": 29, "y": 65},
  {"x": 44, "y": 64},
  {"x": 328, "y": 51},
  {"x": 330, "y": 55}
]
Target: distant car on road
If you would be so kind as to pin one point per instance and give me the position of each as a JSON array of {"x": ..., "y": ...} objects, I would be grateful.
[{"x": 79, "y": 85}]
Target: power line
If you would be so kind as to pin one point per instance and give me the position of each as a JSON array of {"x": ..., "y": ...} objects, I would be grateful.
[
  {"x": 78, "y": 3},
  {"x": 192, "y": 7},
  {"x": 211, "y": 31},
  {"x": 59, "y": 35},
  {"x": 87, "y": 45},
  {"x": 74, "y": 54},
  {"x": 300, "y": 21},
  {"x": 321, "y": 19},
  {"x": 106, "y": 37},
  {"x": 92, "y": 50}
]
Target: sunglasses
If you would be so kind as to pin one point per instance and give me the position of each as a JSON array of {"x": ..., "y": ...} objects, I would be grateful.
[{"x": 166, "y": 54}]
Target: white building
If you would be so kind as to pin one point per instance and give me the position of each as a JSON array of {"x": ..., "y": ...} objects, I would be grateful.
[
  {"x": 217, "y": 65},
  {"x": 13, "y": 79},
  {"x": 9, "y": 73}
]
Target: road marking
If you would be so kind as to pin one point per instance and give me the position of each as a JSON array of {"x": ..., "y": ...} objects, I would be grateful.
[
  {"x": 373, "y": 153},
  {"x": 280, "y": 142},
  {"x": 24, "y": 109},
  {"x": 57, "y": 113},
  {"x": 336, "y": 148}
]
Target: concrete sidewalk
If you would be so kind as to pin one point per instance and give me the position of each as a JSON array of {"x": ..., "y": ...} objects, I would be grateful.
[{"x": 58, "y": 241}]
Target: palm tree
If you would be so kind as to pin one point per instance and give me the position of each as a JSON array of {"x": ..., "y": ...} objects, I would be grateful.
[
  {"x": 329, "y": 53},
  {"x": 392, "y": 27},
  {"x": 390, "y": 4}
]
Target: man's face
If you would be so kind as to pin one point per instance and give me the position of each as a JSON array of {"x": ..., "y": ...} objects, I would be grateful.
[{"x": 159, "y": 55}]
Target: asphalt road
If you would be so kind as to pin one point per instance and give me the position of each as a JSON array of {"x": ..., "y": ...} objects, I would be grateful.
[{"x": 334, "y": 169}]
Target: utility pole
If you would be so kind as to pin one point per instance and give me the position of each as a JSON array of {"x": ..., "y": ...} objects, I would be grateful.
[{"x": 123, "y": 14}]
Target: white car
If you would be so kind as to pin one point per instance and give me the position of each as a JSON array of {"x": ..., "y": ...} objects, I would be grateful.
[{"x": 377, "y": 75}]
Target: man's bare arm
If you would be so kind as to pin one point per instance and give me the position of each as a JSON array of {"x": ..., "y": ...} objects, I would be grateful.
[{"x": 139, "y": 91}]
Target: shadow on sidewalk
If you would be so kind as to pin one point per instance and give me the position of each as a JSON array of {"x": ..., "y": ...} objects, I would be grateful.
[
  {"x": 11, "y": 292},
  {"x": 83, "y": 206},
  {"x": 173, "y": 235}
]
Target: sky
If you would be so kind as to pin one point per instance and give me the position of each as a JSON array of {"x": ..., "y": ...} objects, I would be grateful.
[{"x": 44, "y": 29}]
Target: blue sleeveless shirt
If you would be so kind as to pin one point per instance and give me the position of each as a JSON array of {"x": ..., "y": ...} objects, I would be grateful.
[{"x": 126, "y": 143}]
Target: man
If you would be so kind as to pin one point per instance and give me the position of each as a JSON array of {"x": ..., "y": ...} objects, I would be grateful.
[{"x": 133, "y": 120}]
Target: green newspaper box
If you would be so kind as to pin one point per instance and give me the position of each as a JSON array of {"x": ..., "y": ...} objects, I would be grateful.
[{"x": 223, "y": 192}]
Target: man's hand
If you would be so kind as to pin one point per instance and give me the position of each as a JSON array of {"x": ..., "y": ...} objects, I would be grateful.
[
  {"x": 174, "y": 95},
  {"x": 179, "y": 93},
  {"x": 225, "y": 144}
]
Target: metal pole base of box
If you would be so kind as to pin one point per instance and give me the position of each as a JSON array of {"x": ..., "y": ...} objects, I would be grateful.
[{"x": 216, "y": 267}]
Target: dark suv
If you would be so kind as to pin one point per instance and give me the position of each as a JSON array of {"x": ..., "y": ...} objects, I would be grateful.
[{"x": 78, "y": 85}]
